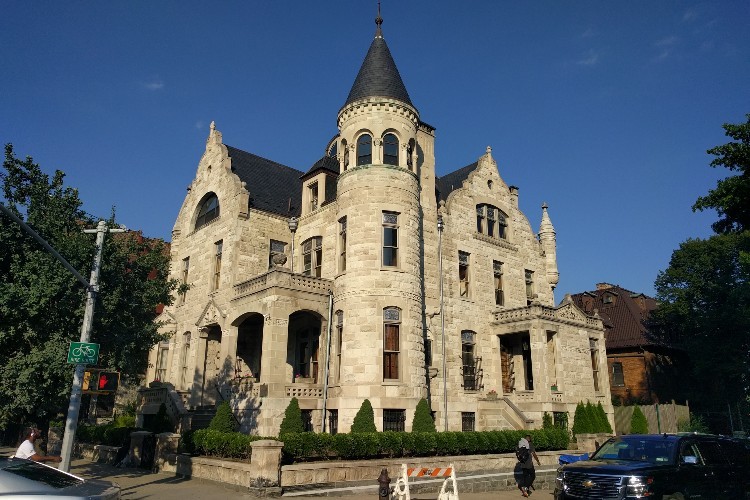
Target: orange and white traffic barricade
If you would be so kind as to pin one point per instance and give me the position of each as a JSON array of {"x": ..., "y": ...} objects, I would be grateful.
[{"x": 401, "y": 489}]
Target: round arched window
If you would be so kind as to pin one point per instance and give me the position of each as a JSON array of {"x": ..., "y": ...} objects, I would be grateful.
[
  {"x": 364, "y": 149},
  {"x": 390, "y": 149},
  {"x": 208, "y": 211}
]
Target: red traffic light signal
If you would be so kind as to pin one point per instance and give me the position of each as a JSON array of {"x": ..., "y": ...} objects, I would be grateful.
[{"x": 108, "y": 381}]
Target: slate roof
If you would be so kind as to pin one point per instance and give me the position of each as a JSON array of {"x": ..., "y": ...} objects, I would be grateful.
[
  {"x": 378, "y": 76},
  {"x": 326, "y": 163},
  {"x": 448, "y": 183},
  {"x": 623, "y": 318},
  {"x": 271, "y": 185}
]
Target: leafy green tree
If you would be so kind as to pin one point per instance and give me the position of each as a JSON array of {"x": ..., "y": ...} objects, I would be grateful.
[
  {"x": 704, "y": 309},
  {"x": 41, "y": 303},
  {"x": 364, "y": 420},
  {"x": 604, "y": 421},
  {"x": 422, "y": 418},
  {"x": 638, "y": 423},
  {"x": 547, "y": 420},
  {"x": 731, "y": 197},
  {"x": 224, "y": 420},
  {"x": 292, "y": 423}
]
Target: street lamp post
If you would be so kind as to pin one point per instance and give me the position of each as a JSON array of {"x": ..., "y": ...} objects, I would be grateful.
[
  {"x": 293, "y": 223},
  {"x": 440, "y": 227},
  {"x": 71, "y": 423}
]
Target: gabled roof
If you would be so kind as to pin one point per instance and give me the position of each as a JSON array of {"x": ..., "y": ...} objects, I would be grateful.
[
  {"x": 326, "y": 163},
  {"x": 623, "y": 317},
  {"x": 378, "y": 76},
  {"x": 273, "y": 187},
  {"x": 452, "y": 181}
]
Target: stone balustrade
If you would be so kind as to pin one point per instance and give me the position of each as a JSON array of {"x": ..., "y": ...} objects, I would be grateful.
[{"x": 283, "y": 278}]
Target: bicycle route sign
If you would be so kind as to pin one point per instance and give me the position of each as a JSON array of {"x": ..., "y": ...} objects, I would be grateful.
[{"x": 83, "y": 353}]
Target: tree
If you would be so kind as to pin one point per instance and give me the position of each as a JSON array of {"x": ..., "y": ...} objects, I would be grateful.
[
  {"x": 638, "y": 423},
  {"x": 422, "y": 418},
  {"x": 292, "y": 423},
  {"x": 605, "y": 425},
  {"x": 705, "y": 312},
  {"x": 731, "y": 198},
  {"x": 364, "y": 420},
  {"x": 581, "y": 422},
  {"x": 224, "y": 420},
  {"x": 41, "y": 303}
]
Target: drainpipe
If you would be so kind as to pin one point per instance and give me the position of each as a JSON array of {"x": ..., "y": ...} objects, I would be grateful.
[
  {"x": 328, "y": 356},
  {"x": 440, "y": 226}
]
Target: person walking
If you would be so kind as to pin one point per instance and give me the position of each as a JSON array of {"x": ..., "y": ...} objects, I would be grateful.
[
  {"x": 27, "y": 450},
  {"x": 526, "y": 455}
]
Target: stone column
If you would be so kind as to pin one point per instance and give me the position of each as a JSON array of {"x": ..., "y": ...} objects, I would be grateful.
[
  {"x": 275, "y": 338},
  {"x": 266, "y": 462},
  {"x": 200, "y": 362},
  {"x": 166, "y": 443}
]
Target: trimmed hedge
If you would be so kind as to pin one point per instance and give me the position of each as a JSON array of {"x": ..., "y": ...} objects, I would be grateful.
[
  {"x": 223, "y": 444},
  {"x": 107, "y": 434},
  {"x": 310, "y": 446}
]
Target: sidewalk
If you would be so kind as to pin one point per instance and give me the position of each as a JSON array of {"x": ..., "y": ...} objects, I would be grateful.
[{"x": 141, "y": 484}]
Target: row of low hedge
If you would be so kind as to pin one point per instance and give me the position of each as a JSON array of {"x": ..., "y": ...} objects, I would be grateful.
[
  {"x": 219, "y": 444},
  {"x": 311, "y": 446},
  {"x": 107, "y": 434}
]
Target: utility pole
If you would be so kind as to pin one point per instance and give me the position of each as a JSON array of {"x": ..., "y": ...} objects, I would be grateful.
[{"x": 71, "y": 424}]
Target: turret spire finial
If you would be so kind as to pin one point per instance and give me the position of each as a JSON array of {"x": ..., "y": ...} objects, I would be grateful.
[{"x": 378, "y": 23}]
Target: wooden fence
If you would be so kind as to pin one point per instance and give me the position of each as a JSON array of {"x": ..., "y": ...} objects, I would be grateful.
[{"x": 660, "y": 417}]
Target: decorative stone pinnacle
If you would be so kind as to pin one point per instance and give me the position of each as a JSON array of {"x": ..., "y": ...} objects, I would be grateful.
[
  {"x": 545, "y": 206},
  {"x": 378, "y": 23},
  {"x": 489, "y": 150}
]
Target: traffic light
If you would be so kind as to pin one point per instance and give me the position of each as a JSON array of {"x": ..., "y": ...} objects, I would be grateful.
[
  {"x": 86, "y": 380},
  {"x": 108, "y": 381}
]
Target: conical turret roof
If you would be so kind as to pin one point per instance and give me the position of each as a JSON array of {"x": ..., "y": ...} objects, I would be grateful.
[{"x": 378, "y": 76}]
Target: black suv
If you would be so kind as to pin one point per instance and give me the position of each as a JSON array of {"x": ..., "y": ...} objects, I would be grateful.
[{"x": 660, "y": 466}]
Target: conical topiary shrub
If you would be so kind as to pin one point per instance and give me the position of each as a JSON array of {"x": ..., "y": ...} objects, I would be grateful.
[
  {"x": 593, "y": 418},
  {"x": 605, "y": 425},
  {"x": 581, "y": 423},
  {"x": 223, "y": 421},
  {"x": 292, "y": 423},
  {"x": 422, "y": 418},
  {"x": 638, "y": 423},
  {"x": 364, "y": 420}
]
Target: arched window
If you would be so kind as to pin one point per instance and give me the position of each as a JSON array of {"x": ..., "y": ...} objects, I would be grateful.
[
  {"x": 364, "y": 149},
  {"x": 390, "y": 149},
  {"x": 208, "y": 211}
]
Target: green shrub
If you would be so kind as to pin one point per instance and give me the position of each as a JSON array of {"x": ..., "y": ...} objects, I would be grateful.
[
  {"x": 125, "y": 421},
  {"x": 186, "y": 444},
  {"x": 292, "y": 423},
  {"x": 606, "y": 427},
  {"x": 446, "y": 443},
  {"x": 223, "y": 444},
  {"x": 581, "y": 423},
  {"x": 638, "y": 423},
  {"x": 694, "y": 424},
  {"x": 117, "y": 436},
  {"x": 592, "y": 417},
  {"x": 224, "y": 420},
  {"x": 364, "y": 420},
  {"x": 423, "y": 418},
  {"x": 546, "y": 420},
  {"x": 391, "y": 444}
]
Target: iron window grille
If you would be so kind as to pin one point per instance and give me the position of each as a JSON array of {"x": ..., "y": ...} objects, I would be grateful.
[
  {"x": 394, "y": 420},
  {"x": 307, "y": 424},
  {"x": 470, "y": 363},
  {"x": 468, "y": 421}
]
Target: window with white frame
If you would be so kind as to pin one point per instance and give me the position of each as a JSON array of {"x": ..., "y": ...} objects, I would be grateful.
[
  {"x": 391, "y": 342},
  {"x": 162, "y": 355},
  {"x": 312, "y": 256},
  {"x": 463, "y": 274},
  {"x": 390, "y": 239}
]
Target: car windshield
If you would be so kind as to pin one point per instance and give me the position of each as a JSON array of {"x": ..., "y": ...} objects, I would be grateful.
[
  {"x": 655, "y": 451},
  {"x": 41, "y": 474}
]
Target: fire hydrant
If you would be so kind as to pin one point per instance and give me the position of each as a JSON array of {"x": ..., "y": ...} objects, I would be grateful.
[{"x": 384, "y": 491}]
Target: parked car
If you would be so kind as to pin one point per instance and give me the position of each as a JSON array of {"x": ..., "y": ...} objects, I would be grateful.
[
  {"x": 22, "y": 479},
  {"x": 660, "y": 466}
]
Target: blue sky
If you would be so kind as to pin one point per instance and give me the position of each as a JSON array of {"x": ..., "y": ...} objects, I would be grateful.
[{"x": 604, "y": 110}]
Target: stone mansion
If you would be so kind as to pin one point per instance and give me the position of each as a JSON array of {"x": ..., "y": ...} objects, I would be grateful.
[{"x": 368, "y": 277}]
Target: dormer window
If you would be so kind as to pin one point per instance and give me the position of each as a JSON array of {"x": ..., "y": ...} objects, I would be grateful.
[
  {"x": 390, "y": 149},
  {"x": 364, "y": 150},
  {"x": 208, "y": 211},
  {"x": 608, "y": 298},
  {"x": 491, "y": 221}
]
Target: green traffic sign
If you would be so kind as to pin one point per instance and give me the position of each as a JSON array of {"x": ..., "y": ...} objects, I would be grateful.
[{"x": 83, "y": 353}]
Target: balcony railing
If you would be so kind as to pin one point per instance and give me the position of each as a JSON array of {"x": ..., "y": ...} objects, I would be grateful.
[
  {"x": 538, "y": 311},
  {"x": 304, "y": 391},
  {"x": 283, "y": 278}
]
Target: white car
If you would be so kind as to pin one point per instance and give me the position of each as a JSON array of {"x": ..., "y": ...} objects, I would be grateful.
[{"x": 22, "y": 479}]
